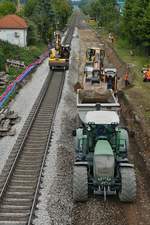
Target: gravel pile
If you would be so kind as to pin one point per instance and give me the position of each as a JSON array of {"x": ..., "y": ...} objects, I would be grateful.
[
  {"x": 55, "y": 203},
  {"x": 22, "y": 104}
]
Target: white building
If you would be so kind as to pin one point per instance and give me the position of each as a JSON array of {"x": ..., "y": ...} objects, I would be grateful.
[{"x": 14, "y": 30}]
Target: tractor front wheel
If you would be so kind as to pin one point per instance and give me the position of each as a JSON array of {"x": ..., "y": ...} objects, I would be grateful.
[
  {"x": 80, "y": 184},
  {"x": 128, "y": 184}
]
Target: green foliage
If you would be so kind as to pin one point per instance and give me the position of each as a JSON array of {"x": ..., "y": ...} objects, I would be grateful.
[
  {"x": 2, "y": 60},
  {"x": 104, "y": 11},
  {"x": 62, "y": 10},
  {"x": 29, "y": 6},
  {"x": 133, "y": 24},
  {"x": 47, "y": 15},
  {"x": 27, "y": 55},
  {"x": 13, "y": 72},
  {"x": 32, "y": 37},
  {"x": 7, "y": 7},
  {"x": 136, "y": 23}
]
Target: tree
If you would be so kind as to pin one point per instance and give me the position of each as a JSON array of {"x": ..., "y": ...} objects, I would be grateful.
[
  {"x": 2, "y": 60},
  {"x": 29, "y": 7},
  {"x": 47, "y": 15},
  {"x": 62, "y": 9},
  {"x": 32, "y": 37},
  {"x": 136, "y": 23},
  {"x": 104, "y": 11},
  {"x": 7, "y": 7}
]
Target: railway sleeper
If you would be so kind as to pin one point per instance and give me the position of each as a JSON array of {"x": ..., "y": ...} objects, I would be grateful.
[
  {"x": 17, "y": 202},
  {"x": 22, "y": 188},
  {"x": 20, "y": 194},
  {"x": 23, "y": 182},
  {"x": 13, "y": 222},
  {"x": 45, "y": 115},
  {"x": 33, "y": 148},
  {"x": 14, "y": 216},
  {"x": 14, "y": 209},
  {"x": 42, "y": 123},
  {"x": 40, "y": 132},
  {"x": 30, "y": 158},
  {"x": 26, "y": 163},
  {"x": 35, "y": 152},
  {"x": 39, "y": 126},
  {"x": 35, "y": 140},
  {"x": 28, "y": 166},
  {"x": 38, "y": 137},
  {"x": 27, "y": 171},
  {"x": 22, "y": 171},
  {"x": 25, "y": 177}
]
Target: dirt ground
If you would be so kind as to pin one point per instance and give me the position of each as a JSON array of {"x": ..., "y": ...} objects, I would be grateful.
[{"x": 95, "y": 211}]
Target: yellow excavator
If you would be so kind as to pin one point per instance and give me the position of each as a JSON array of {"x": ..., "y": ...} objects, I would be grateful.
[{"x": 59, "y": 54}]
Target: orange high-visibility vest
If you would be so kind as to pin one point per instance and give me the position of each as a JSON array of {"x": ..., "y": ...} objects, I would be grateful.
[
  {"x": 148, "y": 74},
  {"x": 126, "y": 77}
]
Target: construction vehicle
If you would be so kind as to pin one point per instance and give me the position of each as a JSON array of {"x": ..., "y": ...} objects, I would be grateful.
[
  {"x": 94, "y": 64},
  {"x": 59, "y": 54},
  {"x": 96, "y": 54},
  {"x": 101, "y": 165},
  {"x": 107, "y": 83},
  {"x": 92, "y": 101}
]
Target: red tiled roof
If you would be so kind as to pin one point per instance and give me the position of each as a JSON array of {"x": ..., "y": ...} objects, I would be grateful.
[{"x": 12, "y": 22}]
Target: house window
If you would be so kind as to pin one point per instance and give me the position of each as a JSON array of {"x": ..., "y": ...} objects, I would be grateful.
[{"x": 17, "y": 35}]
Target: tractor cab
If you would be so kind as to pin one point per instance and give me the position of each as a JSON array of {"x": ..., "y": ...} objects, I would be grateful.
[
  {"x": 90, "y": 54},
  {"x": 102, "y": 125}
]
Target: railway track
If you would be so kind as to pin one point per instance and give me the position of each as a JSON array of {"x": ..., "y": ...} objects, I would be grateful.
[
  {"x": 19, "y": 192},
  {"x": 21, "y": 177}
]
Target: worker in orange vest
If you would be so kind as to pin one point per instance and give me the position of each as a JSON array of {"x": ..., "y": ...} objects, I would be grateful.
[
  {"x": 126, "y": 79},
  {"x": 147, "y": 74}
]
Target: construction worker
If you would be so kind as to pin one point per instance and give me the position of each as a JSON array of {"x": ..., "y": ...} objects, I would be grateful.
[
  {"x": 126, "y": 79},
  {"x": 111, "y": 38},
  {"x": 147, "y": 75}
]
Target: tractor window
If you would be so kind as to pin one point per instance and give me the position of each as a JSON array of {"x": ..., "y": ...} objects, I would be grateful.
[{"x": 100, "y": 130}]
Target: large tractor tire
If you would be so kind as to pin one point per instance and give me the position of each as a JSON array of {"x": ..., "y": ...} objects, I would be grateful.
[
  {"x": 80, "y": 184},
  {"x": 128, "y": 184}
]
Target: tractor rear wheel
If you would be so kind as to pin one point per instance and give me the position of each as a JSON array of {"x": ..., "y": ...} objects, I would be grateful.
[
  {"x": 128, "y": 184},
  {"x": 80, "y": 184}
]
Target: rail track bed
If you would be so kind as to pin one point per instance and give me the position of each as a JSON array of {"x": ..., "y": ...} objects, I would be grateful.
[{"x": 25, "y": 164}]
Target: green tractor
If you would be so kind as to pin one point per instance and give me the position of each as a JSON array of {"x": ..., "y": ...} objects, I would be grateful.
[{"x": 101, "y": 164}]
